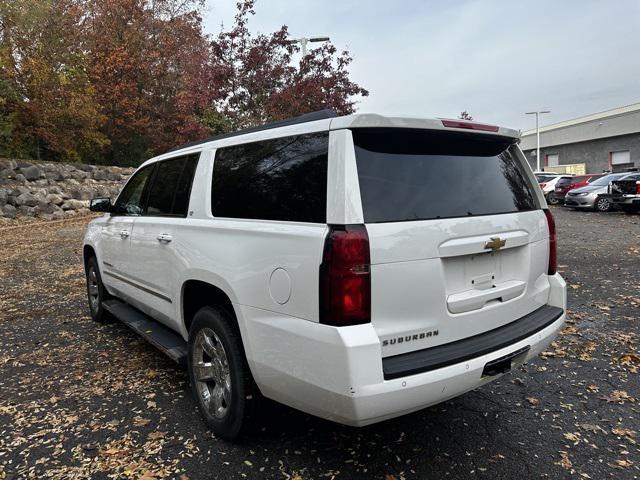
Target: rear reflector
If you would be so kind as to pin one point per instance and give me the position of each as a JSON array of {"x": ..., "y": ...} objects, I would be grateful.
[
  {"x": 553, "y": 244},
  {"x": 345, "y": 277},
  {"x": 469, "y": 125},
  {"x": 637, "y": 187}
]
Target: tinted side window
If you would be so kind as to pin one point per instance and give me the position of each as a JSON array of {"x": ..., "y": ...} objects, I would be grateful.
[
  {"x": 129, "y": 201},
  {"x": 278, "y": 179},
  {"x": 170, "y": 187},
  {"x": 409, "y": 175},
  {"x": 183, "y": 191}
]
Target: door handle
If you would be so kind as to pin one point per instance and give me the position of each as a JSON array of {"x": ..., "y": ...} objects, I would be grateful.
[
  {"x": 164, "y": 238},
  {"x": 124, "y": 234}
]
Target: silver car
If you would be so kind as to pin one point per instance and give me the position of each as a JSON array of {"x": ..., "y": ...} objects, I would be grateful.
[{"x": 589, "y": 197}]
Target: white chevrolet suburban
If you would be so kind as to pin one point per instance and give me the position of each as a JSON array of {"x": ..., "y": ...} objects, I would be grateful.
[{"x": 356, "y": 268}]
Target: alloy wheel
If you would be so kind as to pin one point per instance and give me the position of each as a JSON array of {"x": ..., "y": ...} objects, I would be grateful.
[
  {"x": 603, "y": 205},
  {"x": 94, "y": 289},
  {"x": 211, "y": 373}
]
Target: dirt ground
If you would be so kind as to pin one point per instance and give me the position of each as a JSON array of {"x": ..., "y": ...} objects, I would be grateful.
[{"x": 79, "y": 400}]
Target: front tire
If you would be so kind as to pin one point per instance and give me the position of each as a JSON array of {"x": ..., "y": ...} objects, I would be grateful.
[
  {"x": 602, "y": 204},
  {"x": 219, "y": 374},
  {"x": 96, "y": 293}
]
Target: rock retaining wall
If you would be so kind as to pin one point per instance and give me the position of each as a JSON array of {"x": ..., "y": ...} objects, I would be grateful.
[{"x": 54, "y": 190}]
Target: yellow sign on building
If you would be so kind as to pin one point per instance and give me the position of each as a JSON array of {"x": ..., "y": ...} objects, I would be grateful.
[{"x": 573, "y": 168}]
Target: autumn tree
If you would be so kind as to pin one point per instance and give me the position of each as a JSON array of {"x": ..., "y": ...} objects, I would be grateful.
[
  {"x": 117, "y": 81},
  {"x": 148, "y": 65},
  {"x": 44, "y": 86},
  {"x": 259, "y": 82}
]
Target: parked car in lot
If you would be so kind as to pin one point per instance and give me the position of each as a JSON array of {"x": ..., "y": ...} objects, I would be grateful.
[
  {"x": 356, "y": 268},
  {"x": 592, "y": 196},
  {"x": 544, "y": 177},
  {"x": 625, "y": 193},
  {"x": 547, "y": 182},
  {"x": 566, "y": 184}
]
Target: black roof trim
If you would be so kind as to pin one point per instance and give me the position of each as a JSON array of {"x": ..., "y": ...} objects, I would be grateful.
[{"x": 307, "y": 117}]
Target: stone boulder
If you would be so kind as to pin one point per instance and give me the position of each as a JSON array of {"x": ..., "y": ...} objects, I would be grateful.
[
  {"x": 27, "y": 211},
  {"x": 54, "y": 175},
  {"x": 82, "y": 193},
  {"x": 99, "y": 174},
  {"x": 26, "y": 200},
  {"x": 7, "y": 173},
  {"x": 73, "y": 204},
  {"x": 31, "y": 173},
  {"x": 54, "y": 199},
  {"x": 6, "y": 163},
  {"x": 9, "y": 211}
]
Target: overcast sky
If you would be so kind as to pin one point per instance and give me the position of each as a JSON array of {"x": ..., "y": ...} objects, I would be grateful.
[{"x": 495, "y": 59}]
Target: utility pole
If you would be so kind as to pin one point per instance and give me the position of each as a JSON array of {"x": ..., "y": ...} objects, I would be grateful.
[
  {"x": 537, "y": 114},
  {"x": 304, "y": 41}
]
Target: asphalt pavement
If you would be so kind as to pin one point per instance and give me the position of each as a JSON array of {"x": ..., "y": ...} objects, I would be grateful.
[{"x": 79, "y": 400}]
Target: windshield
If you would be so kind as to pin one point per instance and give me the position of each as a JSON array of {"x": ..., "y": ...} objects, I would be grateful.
[
  {"x": 633, "y": 176},
  {"x": 604, "y": 181}
]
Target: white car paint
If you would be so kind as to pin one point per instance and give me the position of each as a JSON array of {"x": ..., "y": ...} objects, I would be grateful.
[
  {"x": 421, "y": 280},
  {"x": 550, "y": 185}
]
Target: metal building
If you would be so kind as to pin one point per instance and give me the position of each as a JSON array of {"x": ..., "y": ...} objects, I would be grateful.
[{"x": 605, "y": 141}]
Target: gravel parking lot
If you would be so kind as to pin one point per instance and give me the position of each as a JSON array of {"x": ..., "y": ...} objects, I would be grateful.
[{"x": 78, "y": 400}]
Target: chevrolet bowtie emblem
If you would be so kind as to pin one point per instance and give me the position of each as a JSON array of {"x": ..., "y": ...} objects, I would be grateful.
[{"x": 496, "y": 243}]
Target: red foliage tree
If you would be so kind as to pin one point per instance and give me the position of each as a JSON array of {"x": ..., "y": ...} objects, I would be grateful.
[
  {"x": 116, "y": 81},
  {"x": 259, "y": 83}
]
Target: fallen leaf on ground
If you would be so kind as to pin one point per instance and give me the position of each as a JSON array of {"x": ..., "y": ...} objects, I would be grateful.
[{"x": 618, "y": 396}]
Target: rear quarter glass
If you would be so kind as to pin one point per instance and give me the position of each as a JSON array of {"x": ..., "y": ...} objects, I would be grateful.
[{"x": 410, "y": 174}]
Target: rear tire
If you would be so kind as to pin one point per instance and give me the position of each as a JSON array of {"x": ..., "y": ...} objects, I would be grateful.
[
  {"x": 96, "y": 293},
  {"x": 552, "y": 199},
  {"x": 602, "y": 204},
  {"x": 221, "y": 381}
]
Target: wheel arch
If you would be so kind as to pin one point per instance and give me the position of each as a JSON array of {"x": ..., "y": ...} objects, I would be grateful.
[
  {"x": 196, "y": 294},
  {"x": 87, "y": 252}
]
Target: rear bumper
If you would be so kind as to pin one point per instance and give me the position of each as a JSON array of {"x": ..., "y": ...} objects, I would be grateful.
[
  {"x": 429, "y": 359},
  {"x": 337, "y": 373}
]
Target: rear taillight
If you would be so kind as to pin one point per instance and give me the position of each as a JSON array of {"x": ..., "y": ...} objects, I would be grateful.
[
  {"x": 345, "y": 277},
  {"x": 542, "y": 185},
  {"x": 469, "y": 125},
  {"x": 553, "y": 244},
  {"x": 637, "y": 187}
]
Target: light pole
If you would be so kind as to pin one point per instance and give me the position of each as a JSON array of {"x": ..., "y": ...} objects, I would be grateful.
[
  {"x": 303, "y": 41},
  {"x": 537, "y": 114}
]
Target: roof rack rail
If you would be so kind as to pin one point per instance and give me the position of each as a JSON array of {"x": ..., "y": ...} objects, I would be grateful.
[{"x": 307, "y": 117}]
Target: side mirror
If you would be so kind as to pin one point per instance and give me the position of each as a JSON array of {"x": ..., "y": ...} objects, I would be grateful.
[{"x": 100, "y": 205}]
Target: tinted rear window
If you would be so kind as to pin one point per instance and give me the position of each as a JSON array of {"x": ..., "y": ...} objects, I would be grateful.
[
  {"x": 565, "y": 181},
  {"x": 545, "y": 178},
  {"x": 278, "y": 179},
  {"x": 420, "y": 175}
]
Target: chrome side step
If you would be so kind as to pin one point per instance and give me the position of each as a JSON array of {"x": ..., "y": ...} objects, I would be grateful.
[{"x": 161, "y": 337}]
